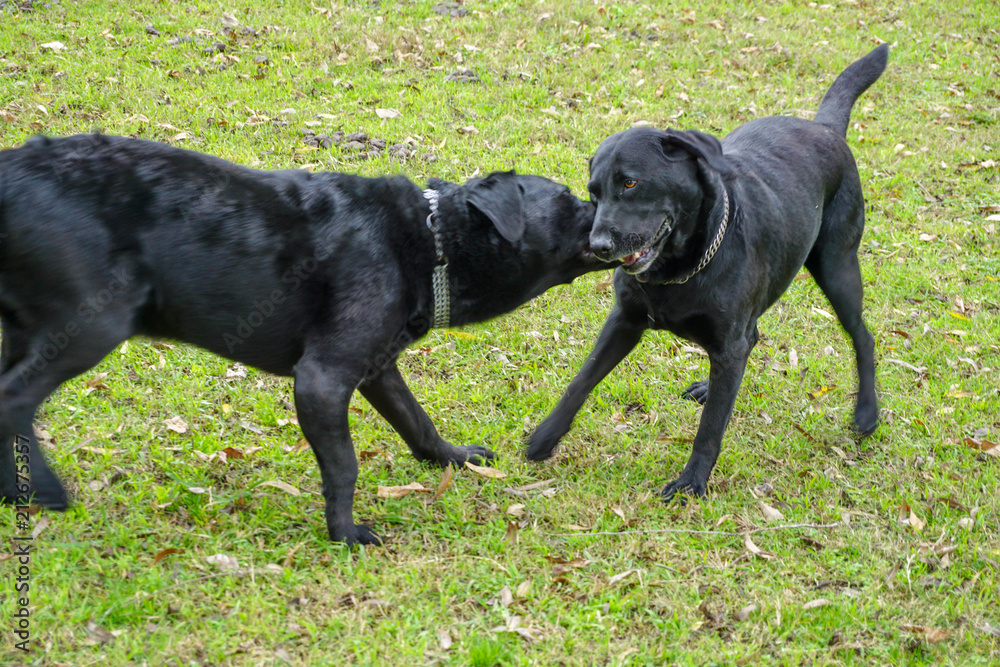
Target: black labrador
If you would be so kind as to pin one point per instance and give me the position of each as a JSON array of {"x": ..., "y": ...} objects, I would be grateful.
[
  {"x": 324, "y": 277},
  {"x": 710, "y": 234}
]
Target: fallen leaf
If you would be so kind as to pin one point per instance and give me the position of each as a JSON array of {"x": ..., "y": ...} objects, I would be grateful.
[
  {"x": 516, "y": 510},
  {"x": 401, "y": 491},
  {"x": 223, "y": 562},
  {"x": 814, "y": 604},
  {"x": 485, "y": 471},
  {"x": 986, "y": 446},
  {"x": 287, "y": 488},
  {"x": 40, "y": 527},
  {"x": 388, "y": 113},
  {"x": 931, "y": 634},
  {"x": 449, "y": 473},
  {"x": 908, "y": 517},
  {"x": 619, "y": 577},
  {"x": 754, "y": 549},
  {"x": 511, "y": 536},
  {"x": 166, "y": 552},
  {"x": 176, "y": 424},
  {"x": 770, "y": 514},
  {"x": 744, "y": 613}
]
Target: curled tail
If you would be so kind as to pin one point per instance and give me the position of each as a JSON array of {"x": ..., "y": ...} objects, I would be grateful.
[{"x": 835, "y": 109}]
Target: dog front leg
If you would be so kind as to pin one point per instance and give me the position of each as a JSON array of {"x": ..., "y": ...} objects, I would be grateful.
[
  {"x": 724, "y": 380},
  {"x": 389, "y": 394},
  {"x": 619, "y": 336},
  {"x": 322, "y": 398}
]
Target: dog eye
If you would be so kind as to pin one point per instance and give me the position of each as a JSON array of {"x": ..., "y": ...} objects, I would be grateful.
[{"x": 630, "y": 182}]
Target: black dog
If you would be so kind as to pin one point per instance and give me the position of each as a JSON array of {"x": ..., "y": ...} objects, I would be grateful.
[
  {"x": 710, "y": 234},
  {"x": 324, "y": 277}
]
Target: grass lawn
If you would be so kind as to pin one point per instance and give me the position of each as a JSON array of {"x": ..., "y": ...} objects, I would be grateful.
[{"x": 884, "y": 551}]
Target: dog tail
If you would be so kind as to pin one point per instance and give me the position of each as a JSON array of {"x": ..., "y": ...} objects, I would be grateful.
[{"x": 835, "y": 109}]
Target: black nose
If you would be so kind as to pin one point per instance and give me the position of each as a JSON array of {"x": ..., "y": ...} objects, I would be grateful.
[{"x": 601, "y": 246}]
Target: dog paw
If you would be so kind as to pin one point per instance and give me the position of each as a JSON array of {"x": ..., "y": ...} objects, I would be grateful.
[
  {"x": 49, "y": 496},
  {"x": 696, "y": 392},
  {"x": 472, "y": 453},
  {"x": 542, "y": 444},
  {"x": 355, "y": 535},
  {"x": 682, "y": 488},
  {"x": 865, "y": 419}
]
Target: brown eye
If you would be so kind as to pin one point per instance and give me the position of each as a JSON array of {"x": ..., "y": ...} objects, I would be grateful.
[{"x": 630, "y": 182}]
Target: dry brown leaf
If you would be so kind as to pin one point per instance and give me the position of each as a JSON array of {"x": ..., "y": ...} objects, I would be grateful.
[
  {"x": 744, "y": 613},
  {"x": 619, "y": 577},
  {"x": 449, "y": 474},
  {"x": 754, "y": 549},
  {"x": 287, "y": 488},
  {"x": 987, "y": 447},
  {"x": 511, "y": 536},
  {"x": 223, "y": 562},
  {"x": 40, "y": 527},
  {"x": 485, "y": 471},
  {"x": 176, "y": 424},
  {"x": 818, "y": 602},
  {"x": 401, "y": 491},
  {"x": 516, "y": 510},
  {"x": 164, "y": 553},
  {"x": 770, "y": 514},
  {"x": 931, "y": 634},
  {"x": 908, "y": 517}
]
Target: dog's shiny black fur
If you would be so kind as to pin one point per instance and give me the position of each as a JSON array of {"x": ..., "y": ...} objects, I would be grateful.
[
  {"x": 795, "y": 198},
  {"x": 324, "y": 277}
]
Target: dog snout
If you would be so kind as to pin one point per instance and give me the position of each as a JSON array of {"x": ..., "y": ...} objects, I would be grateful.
[{"x": 602, "y": 245}]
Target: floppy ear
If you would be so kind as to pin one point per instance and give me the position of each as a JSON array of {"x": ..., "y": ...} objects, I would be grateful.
[
  {"x": 698, "y": 144},
  {"x": 499, "y": 198}
]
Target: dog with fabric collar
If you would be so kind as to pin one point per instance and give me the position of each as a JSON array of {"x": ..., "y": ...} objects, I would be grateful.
[
  {"x": 710, "y": 234},
  {"x": 324, "y": 277}
]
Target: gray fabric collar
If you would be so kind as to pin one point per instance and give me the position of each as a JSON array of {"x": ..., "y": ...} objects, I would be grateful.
[{"x": 439, "y": 280}]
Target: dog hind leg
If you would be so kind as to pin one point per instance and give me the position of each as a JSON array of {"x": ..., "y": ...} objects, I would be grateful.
[
  {"x": 33, "y": 367},
  {"x": 838, "y": 274}
]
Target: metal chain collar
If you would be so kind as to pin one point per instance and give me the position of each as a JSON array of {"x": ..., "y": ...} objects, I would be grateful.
[
  {"x": 439, "y": 279},
  {"x": 712, "y": 249}
]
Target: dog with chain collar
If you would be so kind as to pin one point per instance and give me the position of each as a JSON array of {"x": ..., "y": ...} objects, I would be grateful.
[
  {"x": 710, "y": 234},
  {"x": 324, "y": 277}
]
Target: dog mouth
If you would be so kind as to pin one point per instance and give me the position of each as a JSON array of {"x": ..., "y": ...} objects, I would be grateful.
[{"x": 641, "y": 260}]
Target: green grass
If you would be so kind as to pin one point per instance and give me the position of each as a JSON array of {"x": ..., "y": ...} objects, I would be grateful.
[{"x": 555, "y": 78}]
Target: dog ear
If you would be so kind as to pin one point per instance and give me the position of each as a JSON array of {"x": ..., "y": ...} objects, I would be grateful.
[
  {"x": 499, "y": 197},
  {"x": 698, "y": 144}
]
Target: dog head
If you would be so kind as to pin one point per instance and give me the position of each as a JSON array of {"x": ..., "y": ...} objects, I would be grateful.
[
  {"x": 520, "y": 236},
  {"x": 648, "y": 185},
  {"x": 538, "y": 220}
]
